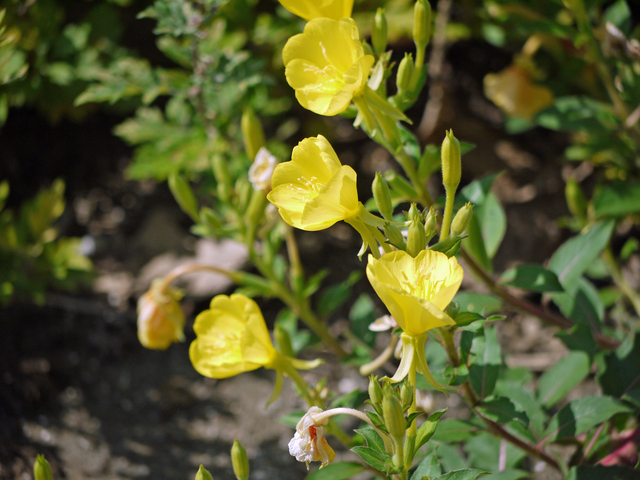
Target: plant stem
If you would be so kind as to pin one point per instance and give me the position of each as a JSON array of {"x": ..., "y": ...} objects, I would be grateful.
[
  {"x": 614, "y": 269},
  {"x": 473, "y": 401},
  {"x": 522, "y": 305},
  {"x": 448, "y": 213}
]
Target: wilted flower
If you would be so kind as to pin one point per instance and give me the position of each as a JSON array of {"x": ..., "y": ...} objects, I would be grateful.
[
  {"x": 326, "y": 65},
  {"x": 232, "y": 338},
  {"x": 309, "y": 9},
  {"x": 261, "y": 170},
  {"x": 314, "y": 190},
  {"x": 514, "y": 92},
  {"x": 160, "y": 317},
  {"x": 308, "y": 443},
  {"x": 416, "y": 290}
]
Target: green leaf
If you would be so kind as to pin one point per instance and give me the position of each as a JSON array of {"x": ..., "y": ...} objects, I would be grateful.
[
  {"x": 485, "y": 451},
  {"x": 575, "y": 255},
  {"x": 532, "y": 277},
  {"x": 335, "y": 295},
  {"x": 484, "y": 361},
  {"x": 336, "y": 471},
  {"x": 503, "y": 410},
  {"x": 525, "y": 402},
  {"x": 183, "y": 194},
  {"x": 429, "y": 466},
  {"x": 493, "y": 223},
  {"x": 619, "y": 14},
  {"x": 577, "y": 113},
  {"x": 478, "y": 303},
  {"x": 622, "y": 367},
  {"x": 428, "y": 428},
  {"x": 600, "y": 472},
  {"x": 508, "y": 475},
  {"x": 466, "y": 474},
  {"x": 582, "y": 414},
  {"x": 373, "y": 458},
  {"x": 372, "y": 439},
  {"x": 556, "y": 382},
  {"x": 617, "y": 200},
  {"x": 454, "y": 430}
]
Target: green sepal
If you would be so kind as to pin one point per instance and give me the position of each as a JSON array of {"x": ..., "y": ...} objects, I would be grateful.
[
  {"x": 277, "y": 388},
  {"x": 384, "y": 106}
]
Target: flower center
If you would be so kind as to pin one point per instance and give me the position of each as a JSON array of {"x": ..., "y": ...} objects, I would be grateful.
[
  {"x": 307, "y": 190},
  {"x": 223, "y": 348},
  {"x": 425, "y": 284}
]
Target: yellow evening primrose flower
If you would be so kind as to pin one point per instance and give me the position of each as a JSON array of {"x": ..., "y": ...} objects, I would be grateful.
[
  {"x": 416, "y": 291},
  {"x": 314, "y": 190},
  {"x": 310, "y": 9},
  {"x": 232, "y": 338},
  {"x": 326, "y": 65},
  {"x": 160, "y": 317},
  {"x": 515, "y": 94}
]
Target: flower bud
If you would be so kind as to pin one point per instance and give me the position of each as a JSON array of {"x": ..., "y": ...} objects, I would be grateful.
[
  {"x": 451, "y": 163},
  {"x": 576, "y": 201},
  {"x": 379, "y": 34},
  {"x": 41, "y": 469},
  {"x": 416, "y": 238},
  {"x": 203, "y": 474},
  {"x": 422, "y": 21},
  {"x": 382, "y": 196},
  {"x": 394, "y": 235},
  {"x": 405, "y": 71},
  {"x": 462, "y": 219},
  {"x": 221, "y": 172},
  {"x": 406, "y": 393},
  {"x": 160, "y": 317},
  {"x": 184, "y": 195},
  {"x": 414, "y": 214},
  {"x": 239, "y": 461},
  {"x": 431, "y": 224},
  {"x": 393, "y": 417},
  {"x": 375, "y": 391},
  {"x": 252, "y": 133}
]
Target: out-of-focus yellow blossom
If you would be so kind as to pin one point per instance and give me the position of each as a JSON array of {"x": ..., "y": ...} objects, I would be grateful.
[
  {"x": 231, "y": 338},
  {"x": 326, "y": 65},
  {"x": 513, "y": 91},
  {"x": 416, "y": 290},
  {"x": 314, "y": 190},
  {"x": 261, "y": 170},
  {"x": 308, "y": 443},
  {"x": 160, "y": 317},
  {"x": 310, "y": 9}
]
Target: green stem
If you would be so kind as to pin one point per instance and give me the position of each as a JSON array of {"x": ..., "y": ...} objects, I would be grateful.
[
  {"x": 284, "y": 365},
  {"x": 448, "y": 213},
  {"x": 409, "y": 168},
  {"x": 616, "y": 274}
]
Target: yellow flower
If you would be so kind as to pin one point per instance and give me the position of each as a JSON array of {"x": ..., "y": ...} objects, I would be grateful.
[
  {"x": 314, "y": 190},
  {"x": 231, "y": 338},
  {"x": 416, "y": 290},
  {"x": 309, "y": 9},
  {"x": 160, "y": 317},
  {"x": 326, "y": 65},
  {"x": 515, "y": 94}
]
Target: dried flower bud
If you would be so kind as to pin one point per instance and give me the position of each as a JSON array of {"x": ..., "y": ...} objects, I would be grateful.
[
  {"x": 261, "y": 170},
  {"x": 160, "y": 317}
]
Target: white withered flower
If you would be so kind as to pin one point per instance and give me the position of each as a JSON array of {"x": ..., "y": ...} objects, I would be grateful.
[
  {"x": 309, "y": 444},
  {"x": 262, "y": 169}
]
